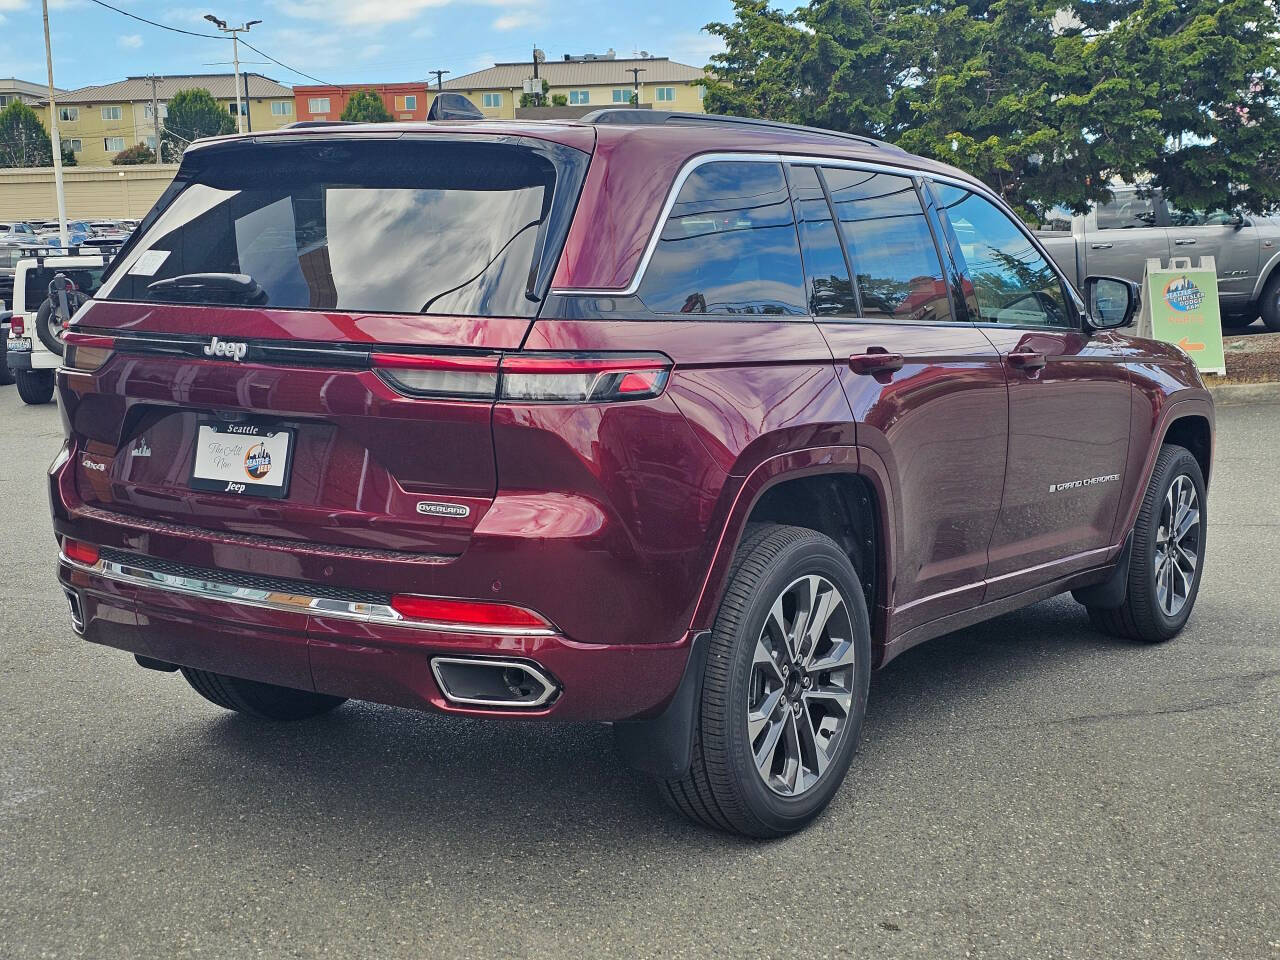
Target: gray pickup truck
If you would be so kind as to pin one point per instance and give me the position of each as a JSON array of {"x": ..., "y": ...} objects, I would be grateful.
[{"x": 1116, "y": 238}]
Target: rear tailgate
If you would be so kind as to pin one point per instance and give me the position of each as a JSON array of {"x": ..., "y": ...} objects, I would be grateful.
[{"x": 323, "y": 377}]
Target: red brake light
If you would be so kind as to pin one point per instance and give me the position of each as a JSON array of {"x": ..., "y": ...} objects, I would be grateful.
[
  {"x": 570, "y": 378},
  {"x": 476, "y": 613},
  {"x": 17, "y": 325},
  {"x": 84, "y": 553}
]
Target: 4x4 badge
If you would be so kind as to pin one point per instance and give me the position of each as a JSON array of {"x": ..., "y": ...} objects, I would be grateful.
[{"x": 432, "y": 509}]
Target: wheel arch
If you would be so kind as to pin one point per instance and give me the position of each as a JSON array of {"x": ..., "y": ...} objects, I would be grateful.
[
  {"x": 833, "y": 490},
  {"x": 1193, "y": 432}
]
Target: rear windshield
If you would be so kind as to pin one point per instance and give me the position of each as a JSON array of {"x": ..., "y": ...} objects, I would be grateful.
[{"x": 387, "y": 226}]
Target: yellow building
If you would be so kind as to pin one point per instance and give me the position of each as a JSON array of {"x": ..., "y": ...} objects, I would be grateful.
[
  {"x": 590, "y": 82},
  {"x": 99, "y": 122}
]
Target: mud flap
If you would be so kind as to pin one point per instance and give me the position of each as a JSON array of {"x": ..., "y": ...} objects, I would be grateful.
[
  {"x": 1110, "y": 593},
  {"x": 663, "y": 745}
]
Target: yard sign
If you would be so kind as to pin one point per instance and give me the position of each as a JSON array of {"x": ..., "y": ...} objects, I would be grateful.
[{"x": 1184, "y": 310}]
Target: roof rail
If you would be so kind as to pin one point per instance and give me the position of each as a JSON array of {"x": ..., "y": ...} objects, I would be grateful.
[
  {"x": 299, "y": 124},
  {"x": 633, "y": 117}
]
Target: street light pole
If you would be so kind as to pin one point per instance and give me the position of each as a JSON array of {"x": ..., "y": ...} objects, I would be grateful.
[
  {"x": 635, "y": 80},
  {"x": 53, "y": 127},
  {"x": 235, "y": 58}
]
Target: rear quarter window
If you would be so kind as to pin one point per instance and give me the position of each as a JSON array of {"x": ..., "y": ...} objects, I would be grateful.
[{"x": 728, "y": 246}]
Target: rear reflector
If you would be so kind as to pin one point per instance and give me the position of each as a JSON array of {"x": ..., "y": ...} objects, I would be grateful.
[
  {"x": 85, "y": 351},
  {"x": 467, "y": 612},
  {"x": 84, "y": 553}
]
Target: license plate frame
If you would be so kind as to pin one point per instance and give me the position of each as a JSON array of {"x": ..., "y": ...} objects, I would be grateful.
[{"x": 227, "y": 470}]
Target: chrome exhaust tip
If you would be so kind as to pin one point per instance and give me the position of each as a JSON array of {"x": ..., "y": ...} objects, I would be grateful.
[
  {"x": 482, "y": 682},
  {"x": 77, "y": 613}
]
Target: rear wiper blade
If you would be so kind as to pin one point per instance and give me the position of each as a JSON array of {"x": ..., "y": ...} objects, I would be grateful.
[{"x": 194, "y": 287}]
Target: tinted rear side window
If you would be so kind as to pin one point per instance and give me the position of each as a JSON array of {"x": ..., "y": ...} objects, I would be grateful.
[
  {"x": 827, "y": 274},
  {"x": 382, "y": 226},
  {"x": 729, "y": 245},
  {"x": 891, "y": 246},
  {"x": 86, "y": 279}
]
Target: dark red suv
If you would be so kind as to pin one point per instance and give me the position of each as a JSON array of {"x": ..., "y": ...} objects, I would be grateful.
[{"x": 679, "y": 423}]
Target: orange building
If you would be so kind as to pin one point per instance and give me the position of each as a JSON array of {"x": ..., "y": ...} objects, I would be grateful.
[{"x": 405, "y": 101}]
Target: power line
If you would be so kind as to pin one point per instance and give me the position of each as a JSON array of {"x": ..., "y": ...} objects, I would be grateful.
[{"x": 206, "y": 36}]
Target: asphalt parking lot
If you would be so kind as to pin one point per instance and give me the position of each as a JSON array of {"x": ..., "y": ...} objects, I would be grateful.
[{"x": 1026, "y": 788}]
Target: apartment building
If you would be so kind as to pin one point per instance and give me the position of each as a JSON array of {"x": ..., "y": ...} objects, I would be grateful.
[
  {"x": 13, "y": 90},
  {"x": 404, "y": 101},
  {"x": 98, "y": 122}
]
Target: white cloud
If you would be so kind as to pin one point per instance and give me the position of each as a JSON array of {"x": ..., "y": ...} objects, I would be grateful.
[
  {"x": 357, "y": 13},
  {"x": 371, "y": 50},
  {"x": 13, "y": 5},
  {"x": 694, "y": 48},
  {"x": 130, "y": 41},
  {"x": 513, "y": 21}
]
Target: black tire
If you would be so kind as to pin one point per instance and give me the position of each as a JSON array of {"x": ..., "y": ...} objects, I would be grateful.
[
  {"x": 35, "y": 386},
  {"x": 1140, "y": 616},
  {"x": 49, "y": 325},
  {"x": 266, "y": 701},
  {"x": 6, "y": 375},
  {"x": 723, "y": 789},
  {"x": 1237, "y": 321},
  {"x": 1269, "y": 304}
]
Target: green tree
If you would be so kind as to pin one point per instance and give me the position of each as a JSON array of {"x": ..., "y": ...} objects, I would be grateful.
[
  {"x": 24, "y": 142},
  {"x": 559, "y": 100},
  {"x": 1044, "y": 100},
  {"x": 68, "y": 155},
  {"x": 193, "y": 114},
  {"x": 365, "y": 106},
  {"x": 132, "y": 156}
]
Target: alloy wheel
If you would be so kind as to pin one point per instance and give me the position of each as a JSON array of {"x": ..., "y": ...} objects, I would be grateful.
[
  {"x": 1177, "y": 552},
  {"x": 801, "y": 687}
]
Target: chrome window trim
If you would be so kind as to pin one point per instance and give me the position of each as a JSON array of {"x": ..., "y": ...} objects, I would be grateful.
[
  {"x": 279, "y": 600},
  {"x": 812, "y": 160}
]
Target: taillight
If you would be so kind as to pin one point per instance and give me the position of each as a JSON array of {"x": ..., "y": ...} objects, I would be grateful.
[
  {"x": 84, "y": 553},
  {"x": 459, "y": 377},
  {"x": 86, "y": 351},
  {"x": 527, "y": 377},
  {"x": 470, "y": 613},
  {"x": 17, "y": 325},
  {"x": 574, "y": 378}
]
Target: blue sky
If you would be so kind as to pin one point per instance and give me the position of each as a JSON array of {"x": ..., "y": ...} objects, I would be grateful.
[{"x": 345, "y": 41}]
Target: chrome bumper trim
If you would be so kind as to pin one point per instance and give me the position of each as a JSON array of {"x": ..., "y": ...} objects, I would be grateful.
[
  {"x": 363, "y": 612},
  {"x": 549, "y": 689}
]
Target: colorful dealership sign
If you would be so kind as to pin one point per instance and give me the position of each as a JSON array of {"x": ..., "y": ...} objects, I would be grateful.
[{"x": 1182, "y": 306}]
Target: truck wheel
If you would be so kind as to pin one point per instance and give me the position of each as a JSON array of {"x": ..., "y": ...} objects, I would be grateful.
[
  {"x": 1238, "y": 321},
  {"x": 785, "y": 688},
  {"x": 35, "y": 386},
  {"x": 1168, "y": 554},
  {"x": 266, "y": 701},
  {"x": 1269, "y": 304}
]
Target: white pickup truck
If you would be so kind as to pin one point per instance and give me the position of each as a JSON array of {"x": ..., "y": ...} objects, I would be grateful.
[{"x": 35, "y": 329}]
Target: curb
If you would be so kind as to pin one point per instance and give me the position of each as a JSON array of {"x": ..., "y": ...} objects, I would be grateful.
[{"x": 1229, "y": 394}]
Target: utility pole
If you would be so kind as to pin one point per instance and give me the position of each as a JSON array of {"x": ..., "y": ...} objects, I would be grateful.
[
  {"x": 53, "y": 127},
  {"x": 155, "y": 115},
  {"x": 235, "y": 57},
  {"x": 248, "y": 110},
  {"x": 635, "y": 81},
  {"x": 439, "y": 75}
]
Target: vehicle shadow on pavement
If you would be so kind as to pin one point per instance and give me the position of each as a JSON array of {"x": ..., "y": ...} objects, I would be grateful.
[{"x": 371, "y": 773}]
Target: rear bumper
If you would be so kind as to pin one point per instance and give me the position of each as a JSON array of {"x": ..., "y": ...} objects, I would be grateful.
[{"x": 360, "y": 658}]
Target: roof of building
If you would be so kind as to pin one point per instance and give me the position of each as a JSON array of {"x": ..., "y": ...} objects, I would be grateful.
[
  {"x": 25, "y": 87},
  {"x": 559, "y": 73},
  {"x": 133, "y": 89}
]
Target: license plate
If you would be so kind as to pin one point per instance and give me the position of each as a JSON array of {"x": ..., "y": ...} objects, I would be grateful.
[
  {"x": 242, "y": 458},
  {"x": 19, "y": 344}
]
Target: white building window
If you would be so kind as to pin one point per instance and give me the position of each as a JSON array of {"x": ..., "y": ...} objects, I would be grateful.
[
  {"x": 411, "y": 102},
  {"x": 244, "y": 108},
  {"x": 665, "y": 94},
  {"x": 76, "y": 145},
  {"x": 150, "y": 142},
  {"x": 164, "y": 111},
  {"x": 579, "y": 96},
  {"x": 318, "y": 105},
  {"x": 5, "y": 100},
  {"x": 281, "y": 108},
  {"x": 113, "y": 144},
  {"x": 111, "y": 113},
  {"x": 621, "y": 96},
  {"x": 492, "y": 100},
  {"x": 68, "y": 114}
]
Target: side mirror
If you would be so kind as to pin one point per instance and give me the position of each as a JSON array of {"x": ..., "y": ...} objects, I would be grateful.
[{"x": 1112, "y": 302}]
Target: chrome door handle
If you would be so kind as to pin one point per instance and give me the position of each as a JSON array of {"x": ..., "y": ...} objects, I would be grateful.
[
  {"x": 1028, "y": 360},
  {"x": 1101, "y": 246},
  {"x": 1183, "y": 241}
]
